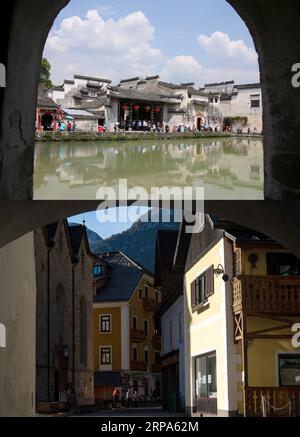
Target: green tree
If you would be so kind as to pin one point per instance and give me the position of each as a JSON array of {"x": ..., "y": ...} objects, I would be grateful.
[{"x": 46, "y": 74}]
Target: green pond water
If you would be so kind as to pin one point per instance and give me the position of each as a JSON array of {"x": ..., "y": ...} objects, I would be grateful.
[{"x": 227, "y": 168}]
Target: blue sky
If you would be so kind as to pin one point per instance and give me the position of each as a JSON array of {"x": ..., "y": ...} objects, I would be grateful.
[
  {"x": 106, "y": 230},
  {"x": 201, "y": 40}
]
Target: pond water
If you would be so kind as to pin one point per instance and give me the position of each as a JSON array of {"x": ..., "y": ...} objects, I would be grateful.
[{"x": 227, "y": 168}]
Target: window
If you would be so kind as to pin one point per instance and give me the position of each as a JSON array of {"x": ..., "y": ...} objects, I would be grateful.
[
  {"x": 289, "y": 370},
  {"x": 157, "y": 357},
  {"x": 283, "y": 264},
  {"x": 171, "y": 335},
  {"x": 134, "y": 322},
  {"x": 206, "y": 376},
  {"x": 216, "y": 100},
  {"x": 146, "y": 292},
  {"x": 106, "y": 354},
  {"x": 157, "y": 297},
  {"x": 146, "y": 354},
  {"x": 135, "y": 354},
  {"x": 140, "y": 294},
  {"x": 202, "y": 288},
  {"x": 83, "y": 331},
  {"x": 180, "y": 327},
  {"x": 146, "y": 327},
  {"x": 2, "y": 336},
  {"x": 105, "y": 324},
  {"x": 255, "y": 103},
  {"x": 98, "y": 271},
  {"x": 211, "y": 100}
]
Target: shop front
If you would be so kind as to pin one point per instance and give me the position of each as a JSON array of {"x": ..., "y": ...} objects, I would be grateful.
[{"x": 140, "y": 115}]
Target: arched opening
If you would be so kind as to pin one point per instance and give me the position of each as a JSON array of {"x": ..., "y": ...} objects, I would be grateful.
[
  {"x": 47, "y": 121},
  {"x": 149, "y": 97},
  {"x": 256, "y": 216},
  {"x": 199, "y": 123},
  {"x": 278, "y": 142},
  {"x": 60, "y": 376}
]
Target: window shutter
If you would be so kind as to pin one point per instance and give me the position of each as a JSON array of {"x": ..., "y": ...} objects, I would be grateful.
[
  {"x": 237, "y": 263},
  {"x": 193, "y": 294},
  {"x": 210, "y": 282}
]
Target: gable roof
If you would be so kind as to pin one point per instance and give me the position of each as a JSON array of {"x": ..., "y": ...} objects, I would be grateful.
[
  {"x": 50, "y": 232},
  {"x": 123, "y": 278},
  {"x": 76, "y": 234},
  {"x": 44, "y": 101}
]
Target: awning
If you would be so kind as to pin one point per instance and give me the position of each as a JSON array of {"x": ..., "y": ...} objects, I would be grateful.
[{"x": 107, "y": 379}]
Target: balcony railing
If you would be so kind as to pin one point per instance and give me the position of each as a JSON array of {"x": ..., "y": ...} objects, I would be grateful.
[
  {"x": 137, "y": 335},
  {"x": 156, "y": 342},
  {"x": 139, "y": 366},
  {"x": 271, "y": 294},
  {"x": 280, "y": 402},
  {"x": 156, "y": 368},
  {"x": 150, "y": 304}
]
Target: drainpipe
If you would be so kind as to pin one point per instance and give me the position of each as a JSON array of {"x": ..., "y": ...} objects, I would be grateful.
[
  {"x": 75, "y": 262},
  {"x": 50, "y": 246}
]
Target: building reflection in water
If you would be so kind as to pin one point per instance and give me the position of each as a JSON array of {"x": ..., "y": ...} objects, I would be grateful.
[{"x": 227, "y": 168}]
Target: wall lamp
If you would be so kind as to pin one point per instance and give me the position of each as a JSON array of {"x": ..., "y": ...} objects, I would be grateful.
[{"x": 221, "y": 271}]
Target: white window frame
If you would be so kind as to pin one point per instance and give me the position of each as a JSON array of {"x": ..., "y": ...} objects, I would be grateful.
[
  {"x": 100, "y": 324},
  {"x": 101, "y": 365}
]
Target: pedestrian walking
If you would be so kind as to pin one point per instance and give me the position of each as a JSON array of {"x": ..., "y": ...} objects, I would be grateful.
[{"x": 135, "y": 399}]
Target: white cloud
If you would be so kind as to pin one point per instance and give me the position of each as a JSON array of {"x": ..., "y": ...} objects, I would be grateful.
[
  {"x": 219, "y": 44},
  {"x": 188, "y": 69},
  {"x": 182, "y": 69},
  {"x": 123, "y": 47},
  {"x": 111, "y": 48}
]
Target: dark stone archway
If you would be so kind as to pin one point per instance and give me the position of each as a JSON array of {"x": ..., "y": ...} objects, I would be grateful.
[
  {"x": 17, "y": 296},
  {"x": 278, "y": 219},
  {"x": 274, "y": 28}
]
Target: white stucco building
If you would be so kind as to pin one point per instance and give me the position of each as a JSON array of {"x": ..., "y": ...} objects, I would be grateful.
[{"x": 152, "y": 101}]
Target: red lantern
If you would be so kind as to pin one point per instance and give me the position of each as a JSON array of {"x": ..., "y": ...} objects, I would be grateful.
[
  {"x": 136, "y": 107},
  {"x": 157, "y": 109},
  {"x": 125, "y": 107},
  {"x": 148, "y": 108}
]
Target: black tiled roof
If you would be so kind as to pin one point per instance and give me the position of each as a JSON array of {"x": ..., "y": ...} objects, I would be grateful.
[
  {"x": 44, "y": 101},
  {"x": 145, "y": 95},
  {"x": 231, "y": 82},
  {"x": 132, "y": 79},
  {"x": 96, "y": 79},
  {"x": 248, "y": 86}
]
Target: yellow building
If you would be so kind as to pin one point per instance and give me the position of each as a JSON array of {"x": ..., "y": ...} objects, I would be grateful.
[
  {"x": 126, "y": 347},
  {"x": 242, "y": 300}
]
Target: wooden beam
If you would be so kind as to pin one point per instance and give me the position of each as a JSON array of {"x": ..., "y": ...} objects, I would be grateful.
[
  {"x": 273, "y": 317},
  {"x": 269, "y": 337},
  {"x": 271, "y": 329}
]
